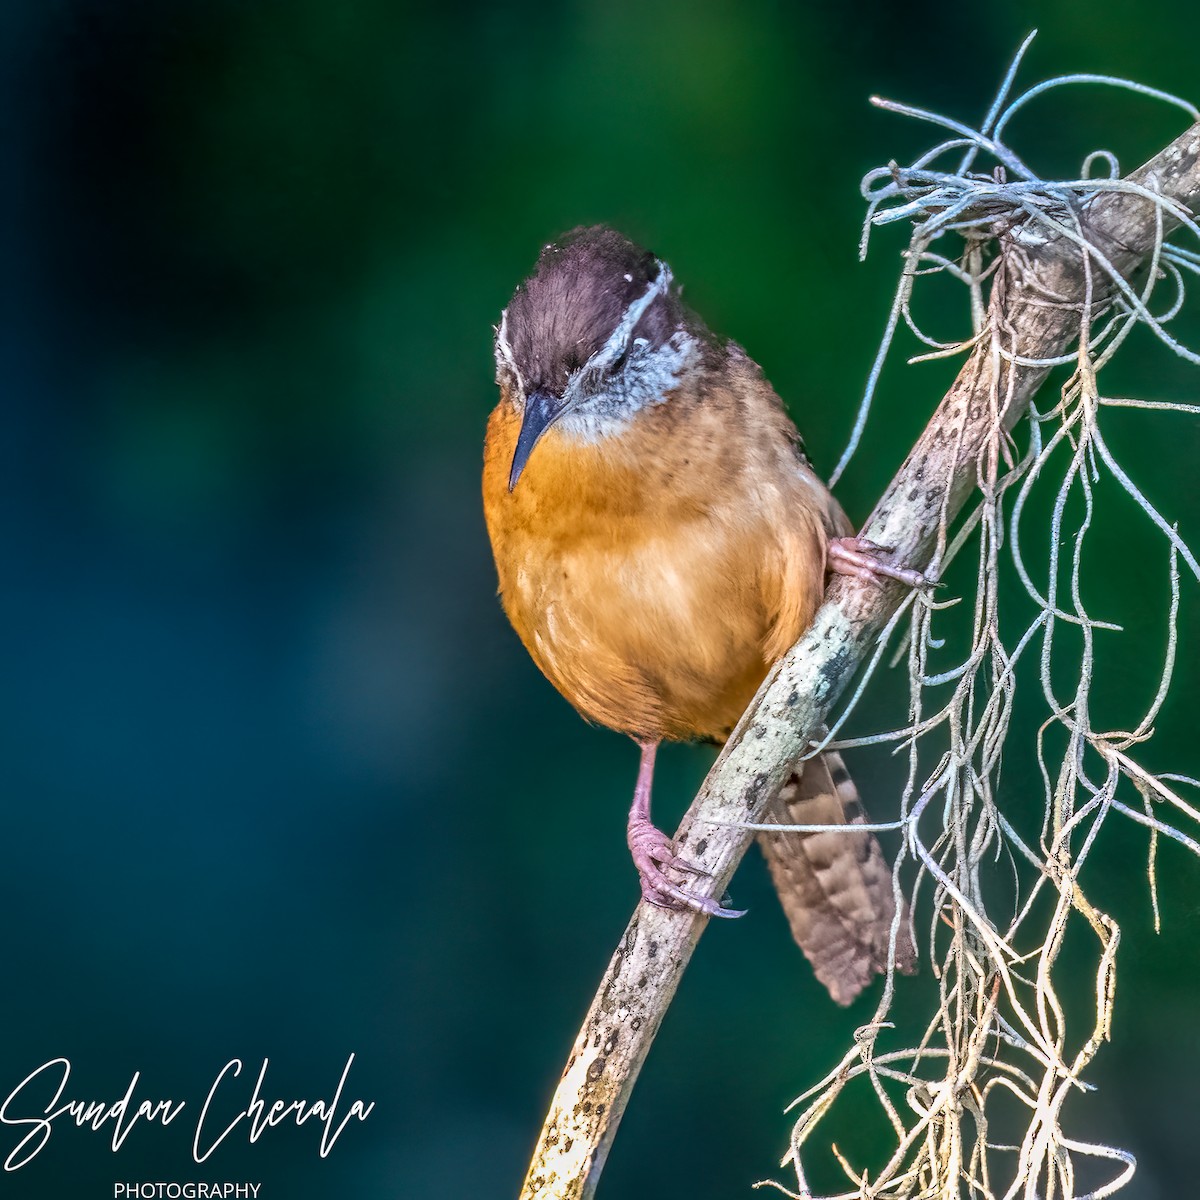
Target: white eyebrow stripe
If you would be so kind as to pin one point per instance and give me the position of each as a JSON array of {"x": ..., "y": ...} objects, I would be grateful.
[
  {"x": 504, "y": 350},
  {"x": 619, "y": 338}
]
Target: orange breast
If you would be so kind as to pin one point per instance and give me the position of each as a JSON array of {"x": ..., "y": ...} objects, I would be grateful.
[{"x": 654, "y": 576}]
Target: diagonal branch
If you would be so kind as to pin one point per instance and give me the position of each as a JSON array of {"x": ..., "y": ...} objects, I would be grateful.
[{"x": 1041, "y": 288}]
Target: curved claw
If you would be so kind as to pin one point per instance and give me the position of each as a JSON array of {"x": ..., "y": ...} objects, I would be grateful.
[
  {"x": 732, "y": 913},
  {"x": 653, "y": 853},
  {"x": 665, "y": 894},
  {"x": 859, "y": 558}
]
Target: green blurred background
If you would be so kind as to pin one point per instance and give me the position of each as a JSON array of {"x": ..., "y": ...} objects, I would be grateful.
[{"x": 281, "y": 782}]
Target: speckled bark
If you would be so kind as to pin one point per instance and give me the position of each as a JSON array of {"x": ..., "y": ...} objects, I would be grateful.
[{"x": 1035, "y": 296}]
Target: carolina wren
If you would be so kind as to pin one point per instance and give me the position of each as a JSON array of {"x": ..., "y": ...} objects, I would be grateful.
[{"x": 661, "y": 539}]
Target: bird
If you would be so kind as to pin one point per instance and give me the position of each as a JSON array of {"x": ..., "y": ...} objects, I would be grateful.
[{"x": 661, "y": 539}]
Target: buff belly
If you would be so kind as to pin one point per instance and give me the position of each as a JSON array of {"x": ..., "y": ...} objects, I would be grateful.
[{"x": 655, "y": 611}]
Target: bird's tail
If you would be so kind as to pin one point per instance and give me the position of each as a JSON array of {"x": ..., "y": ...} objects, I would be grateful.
[{"x": 835, "y": 887}]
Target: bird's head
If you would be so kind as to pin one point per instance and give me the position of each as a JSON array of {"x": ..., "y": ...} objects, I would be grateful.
[{"x": 594, "y": 335}]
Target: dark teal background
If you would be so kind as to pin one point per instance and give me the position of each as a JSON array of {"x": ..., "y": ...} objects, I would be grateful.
[{"x": 279, "y": 780}]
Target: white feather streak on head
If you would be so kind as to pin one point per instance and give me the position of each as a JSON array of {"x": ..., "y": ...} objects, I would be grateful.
[
  {"x": 593, "y": 413},
  {"x": 504, "y": 354},
  {"x": 618, "y": 340}
]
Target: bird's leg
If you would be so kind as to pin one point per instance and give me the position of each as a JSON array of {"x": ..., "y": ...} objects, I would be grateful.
[
  {"x": 653, "y": 852},
  {"x": 859, "y": 558}
]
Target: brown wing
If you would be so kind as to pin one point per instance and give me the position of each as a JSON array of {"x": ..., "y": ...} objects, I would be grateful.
[{"x": 836, "y": 888}]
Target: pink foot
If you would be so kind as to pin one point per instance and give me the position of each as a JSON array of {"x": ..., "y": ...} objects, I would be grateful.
[
  {"x": 654, "y": 853},
  {"x": 859, "y": 558}
]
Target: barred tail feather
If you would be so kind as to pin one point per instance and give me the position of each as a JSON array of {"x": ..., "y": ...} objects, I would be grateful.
[{"x": 836, "y": 887}]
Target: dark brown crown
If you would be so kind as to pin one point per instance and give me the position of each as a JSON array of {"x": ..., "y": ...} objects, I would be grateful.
[{"x": 574, "y": 300}]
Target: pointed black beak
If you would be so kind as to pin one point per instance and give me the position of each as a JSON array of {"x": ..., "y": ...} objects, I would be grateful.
[{"x": 542, "y": 409}]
